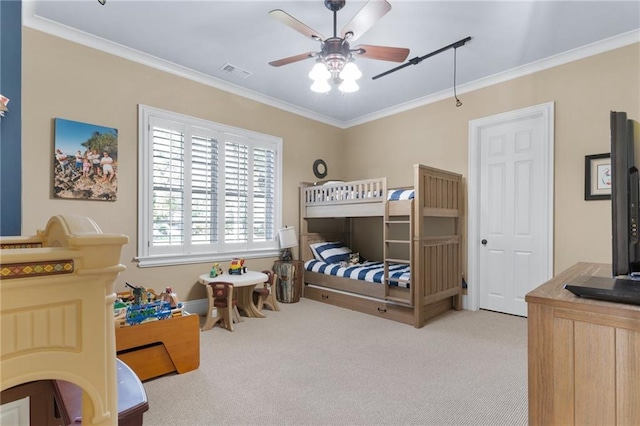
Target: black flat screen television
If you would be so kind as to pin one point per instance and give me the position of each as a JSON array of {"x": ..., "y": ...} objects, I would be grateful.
[
  {"x": 624, "y": 197},
  {"x": 624, "y": 285}
]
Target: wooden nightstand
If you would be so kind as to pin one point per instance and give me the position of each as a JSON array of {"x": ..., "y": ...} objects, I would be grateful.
[{"x": 289, "y": 285}]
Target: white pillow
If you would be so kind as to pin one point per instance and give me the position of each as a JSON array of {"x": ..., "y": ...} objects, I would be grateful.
[
  {"x": 332, "y": 252},
  {"x": 315, "y": 253}
]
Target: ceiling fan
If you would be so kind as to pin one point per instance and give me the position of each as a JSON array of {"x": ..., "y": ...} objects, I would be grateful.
[{"x": 335, "y": 60}]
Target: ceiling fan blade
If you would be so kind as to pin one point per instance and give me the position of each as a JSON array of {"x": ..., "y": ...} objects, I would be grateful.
[
  {"x": 365, "y": 18},
  {"x": 293, "y": 23},
  {"x": 383, "y": 53},
  {"x": 292, "y": 59}
]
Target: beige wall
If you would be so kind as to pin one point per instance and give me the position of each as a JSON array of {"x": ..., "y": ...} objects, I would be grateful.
[
  {"x": 66, "y": 80},
  {"x": 583, "y": 91}
]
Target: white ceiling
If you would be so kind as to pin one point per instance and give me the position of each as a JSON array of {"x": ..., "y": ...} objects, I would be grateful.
[{"x": 197, "y": 38}]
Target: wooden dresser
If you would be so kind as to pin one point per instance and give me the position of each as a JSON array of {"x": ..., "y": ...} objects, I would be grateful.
[{"x": 584, "y": 355}]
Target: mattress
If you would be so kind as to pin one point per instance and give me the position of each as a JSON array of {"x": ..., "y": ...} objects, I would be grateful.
[{"x": 373, "y": 272}]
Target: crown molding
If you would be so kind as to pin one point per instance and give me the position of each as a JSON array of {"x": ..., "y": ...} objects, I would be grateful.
[
  {"x": 31, "y": 20},
  {"x": 586, "y": 51},
  {"x": 39, "y": 23}
]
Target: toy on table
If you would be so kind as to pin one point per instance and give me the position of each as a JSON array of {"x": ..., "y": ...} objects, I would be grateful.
[
  {"x": 137, "y": 293},
  {"x": 170, "y": 297},
  {"x": 142, "y": 295},
  {"x": 139, "y": 313},
  {"x": 143, "y": 306},
  {"x": 216, "y": 270},
  {"x": 354, "y": 259},
  {"x": 237, "y": 267}
]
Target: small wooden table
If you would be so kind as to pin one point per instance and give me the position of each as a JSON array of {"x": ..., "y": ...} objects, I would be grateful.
[{"x": 243, "y": 285}]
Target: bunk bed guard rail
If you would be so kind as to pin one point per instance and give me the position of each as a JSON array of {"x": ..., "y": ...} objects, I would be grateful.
[{"x": 319, "y": 200}]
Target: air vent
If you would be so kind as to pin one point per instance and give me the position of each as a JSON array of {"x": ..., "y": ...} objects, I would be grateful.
[{"x": 238, "y": 72}]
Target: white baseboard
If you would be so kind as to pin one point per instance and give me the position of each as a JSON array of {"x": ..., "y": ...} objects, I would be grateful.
[
  {"x": 198, "y": 306},
  {"x": 465, "y": 302}
]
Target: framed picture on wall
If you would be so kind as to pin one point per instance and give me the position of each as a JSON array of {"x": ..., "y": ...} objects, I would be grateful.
[
  {"x": 85, "y": 161},
  {"x": 597, "y": 177}
]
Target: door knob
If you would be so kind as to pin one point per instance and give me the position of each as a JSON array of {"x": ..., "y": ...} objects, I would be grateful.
[{"x": 484, "y": 242}]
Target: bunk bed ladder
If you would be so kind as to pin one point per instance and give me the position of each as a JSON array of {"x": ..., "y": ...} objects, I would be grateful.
[{"x": 397, "y": 233}]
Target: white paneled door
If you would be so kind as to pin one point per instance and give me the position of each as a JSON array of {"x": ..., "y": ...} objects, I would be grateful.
[{"x": 513, "y": 209}]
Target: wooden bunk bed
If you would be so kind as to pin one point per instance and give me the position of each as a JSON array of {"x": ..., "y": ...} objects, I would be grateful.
[{"x": 423, "y": 232}]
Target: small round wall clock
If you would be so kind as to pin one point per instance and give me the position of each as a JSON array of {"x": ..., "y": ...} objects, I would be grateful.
[{"x": 320, "y": 168}]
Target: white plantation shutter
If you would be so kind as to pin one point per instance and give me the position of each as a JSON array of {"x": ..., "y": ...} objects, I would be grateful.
[
  {"x": 207, "y": 191},
  {"x": 168, "y": 187},
  {"x": 263, "y": 194},
  {"x": 249, "y": 193},
  {"x": 204, "y": 190},
  {"x": 236, "y": 196}
]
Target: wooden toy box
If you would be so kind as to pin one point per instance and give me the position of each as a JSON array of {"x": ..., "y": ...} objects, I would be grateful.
[{"x": 156, "y": 348}]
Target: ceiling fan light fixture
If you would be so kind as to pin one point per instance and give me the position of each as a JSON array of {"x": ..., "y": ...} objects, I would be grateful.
[
  {"x": 334, "y": 63},
  {"x": 335, "y": 58},
  {"x": 319, "y": 72},
  {"x": 320, "y": 86},
  {"x": 350, "y": 72},
  {"x": 349, "y": 86}
]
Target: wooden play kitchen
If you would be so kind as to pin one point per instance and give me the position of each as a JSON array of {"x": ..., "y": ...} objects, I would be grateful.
[{"x": 57, "y": 303}]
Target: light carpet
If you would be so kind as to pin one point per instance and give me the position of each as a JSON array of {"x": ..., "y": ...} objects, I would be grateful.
[{"x": 316, "y": 364}]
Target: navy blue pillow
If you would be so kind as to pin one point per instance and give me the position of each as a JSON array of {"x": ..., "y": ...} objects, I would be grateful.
[{"x": 334, "y": 252}]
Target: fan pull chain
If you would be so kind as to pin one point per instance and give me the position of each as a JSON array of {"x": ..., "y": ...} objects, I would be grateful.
[{"x": 458, "y": 102}]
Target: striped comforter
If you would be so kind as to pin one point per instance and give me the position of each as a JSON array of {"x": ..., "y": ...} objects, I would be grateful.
[{"x": 368, "y": 271}]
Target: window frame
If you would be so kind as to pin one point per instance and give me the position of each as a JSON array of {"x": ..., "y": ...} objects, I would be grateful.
[{"x": 150, "y": 257}]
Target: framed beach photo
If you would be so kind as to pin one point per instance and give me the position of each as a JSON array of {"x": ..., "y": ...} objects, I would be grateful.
[
  {"x": 85, "y": 161},
  {"x": 597, "y": 177}
]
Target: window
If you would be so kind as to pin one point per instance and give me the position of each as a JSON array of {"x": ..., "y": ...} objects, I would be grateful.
[{"x": 208, "y": 192}]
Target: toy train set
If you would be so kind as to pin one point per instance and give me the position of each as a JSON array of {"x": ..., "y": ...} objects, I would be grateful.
[
  {"x": 139, "y": 313},
  {"x": 142, "y": 305}
]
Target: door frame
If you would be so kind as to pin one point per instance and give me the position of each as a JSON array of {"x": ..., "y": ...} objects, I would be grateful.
[{"x": 546, "y": 111}]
